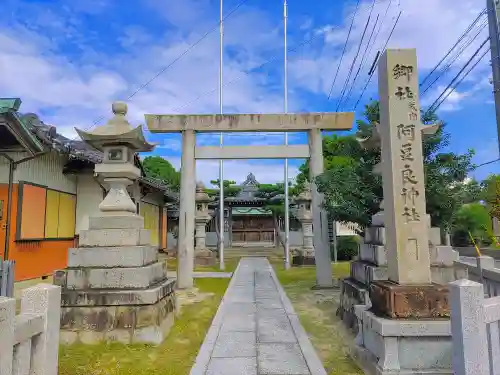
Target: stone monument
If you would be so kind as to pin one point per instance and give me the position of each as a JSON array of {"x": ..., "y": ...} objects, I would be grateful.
[
  {"x": 371, "y": 264},
  {"x": 305, "y": 255},
  {"x": 114, "y": 288},
  {"x": 407, "y": 329},
  {"x": 203, "y": 256}
]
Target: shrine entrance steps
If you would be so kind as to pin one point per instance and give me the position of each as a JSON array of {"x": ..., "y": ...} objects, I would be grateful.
[
  {"x": 256, "y": 330},
  {"x": 263, "y": 252}
]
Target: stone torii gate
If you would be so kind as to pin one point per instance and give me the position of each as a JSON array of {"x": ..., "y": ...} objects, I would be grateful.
[{"x": 189, "y": 125}]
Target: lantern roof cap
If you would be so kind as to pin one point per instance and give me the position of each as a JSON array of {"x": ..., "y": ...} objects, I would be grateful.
[{"x": 117, "y": 131}]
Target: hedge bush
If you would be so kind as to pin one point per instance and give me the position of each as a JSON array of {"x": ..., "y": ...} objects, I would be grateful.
[{"x": 347, "y": 247}]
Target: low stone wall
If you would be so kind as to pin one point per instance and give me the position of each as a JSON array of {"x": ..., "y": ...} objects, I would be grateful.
[
  {"x": 486, "y": 274},
  {"x": 29, "y": 342},
  {"x": 471, "y": 252}
]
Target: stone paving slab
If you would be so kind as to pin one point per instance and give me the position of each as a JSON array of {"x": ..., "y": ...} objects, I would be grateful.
[
  {"x": 203, "y": 275},
  {"x": 256, "y": 330}
]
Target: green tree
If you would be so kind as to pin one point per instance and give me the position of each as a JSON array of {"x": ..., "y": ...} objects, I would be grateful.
[
  {"x": 160, "y": 168},
  {"x": 230, "y": 190},
  {"x": 472, "y": 218},
  {"x": 491, "y": 194},
  {"x": 353, "y": 192}
]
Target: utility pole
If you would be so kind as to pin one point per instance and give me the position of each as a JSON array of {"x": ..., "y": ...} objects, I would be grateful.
[{"x": 493, "y": 9}]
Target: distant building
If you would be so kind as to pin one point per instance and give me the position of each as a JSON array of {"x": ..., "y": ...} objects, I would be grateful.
[{"x": 248, "y": 223}]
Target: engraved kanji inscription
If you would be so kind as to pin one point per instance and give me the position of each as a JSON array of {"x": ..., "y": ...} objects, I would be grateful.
[
  {"x": 411, "y": 214},
  {"x": 412, "y": 248},
  {"x": 401, "y": 70},
  {"x": 409, "y": 195},
  {"x": 404, "y": 93},
  {"x": 412, "y": 106},
  {"x": 409, "y": 175},
  {"x": 407, "y": 131},
  {"x": 406, "y": 152}
]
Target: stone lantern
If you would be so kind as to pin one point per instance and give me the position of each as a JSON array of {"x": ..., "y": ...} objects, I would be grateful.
[
  {"x": 305, "y": 215},
  {"x": 119, "y": 142},
  {"x": 115, "y": 288},
  {"x": 203, "y": 256}
]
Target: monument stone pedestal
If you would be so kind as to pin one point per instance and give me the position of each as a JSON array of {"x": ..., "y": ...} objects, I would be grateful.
[
  {"x": 371, "y": 266},
  {"x": 114, "y": 288},
  {"x": 406, "y": 330},
  {"x": 402, "y": 347}
]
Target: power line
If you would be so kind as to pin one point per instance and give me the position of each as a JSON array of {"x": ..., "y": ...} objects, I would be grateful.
[
  {"x": 163, "y": 70},
  {"x": 471, "y": 26},
  {"x": 267, "y": 62},
  {"x": 380, "y": 26},
  {"x": 375, "y": 62},
  {"x": 460, "y": 80},
  {"x": 486, "y": 163},
  {"x": 431, "y": 108},
  {"x": 352, "y": 65},
  {"x": 272, "y": 59},
  {"x": 457, "y": 55},
  {"x": 361, "y": 64},
  {"x": 343, "y": 50}
]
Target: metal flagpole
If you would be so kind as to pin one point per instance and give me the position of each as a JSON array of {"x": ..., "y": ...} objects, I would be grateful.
[
  {"x": 221, "y": 162},
  {"x": 287, "y": 213}
]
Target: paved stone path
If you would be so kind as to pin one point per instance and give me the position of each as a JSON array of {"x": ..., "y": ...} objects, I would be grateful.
[{"x": 256, "y": 330}]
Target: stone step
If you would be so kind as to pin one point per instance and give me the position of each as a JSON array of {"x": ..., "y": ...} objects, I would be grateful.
[
  {"x": 352, "y": 294},
  {"x": 116, "y": 222},
  {"x": 375, "y": 254},
  {"x": 126, "y": 316},
  {"x": 251, "y": 254},
  {"x": 375, "y": 235},
  {"x": 104, "y": 257},
  {"x": 365, "y": 272},
  {"x": 111, "y": 278},
  {"x": 114, "y": 237}
]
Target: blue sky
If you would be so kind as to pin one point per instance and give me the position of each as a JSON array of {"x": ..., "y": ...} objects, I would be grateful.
[{"x": 69, "y": 60}]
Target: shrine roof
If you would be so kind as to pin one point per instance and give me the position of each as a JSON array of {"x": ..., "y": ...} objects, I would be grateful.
[
  {"x": 248, "y": 190},
  {"x": 15, "y": 134},
  {"x": 253, "y": 211},
  {"x": 76, "y": 150}
]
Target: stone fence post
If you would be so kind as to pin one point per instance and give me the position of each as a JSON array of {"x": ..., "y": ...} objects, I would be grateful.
[
  {"x": 468, "y": 328},
  {"x": 29, "y": 342}
]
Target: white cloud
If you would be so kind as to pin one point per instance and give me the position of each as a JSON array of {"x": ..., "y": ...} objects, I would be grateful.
[
  {"x": 76, "y": 93},
  {"x": 77, "y": 90},
  {"x": 418, "y": 28},
  {"x": 454, "y": 99}
]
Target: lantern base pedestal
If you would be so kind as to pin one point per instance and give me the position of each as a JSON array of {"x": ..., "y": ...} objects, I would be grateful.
[
  {"x": 301, "y": 260},
  {"x": 127, "y": 316},
  {"x": 205, "y": 258}
]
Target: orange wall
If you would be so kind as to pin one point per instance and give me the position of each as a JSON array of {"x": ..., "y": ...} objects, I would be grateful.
[
  {"x": 163, "y": 244},
  {"x": 33, "y": 258}
]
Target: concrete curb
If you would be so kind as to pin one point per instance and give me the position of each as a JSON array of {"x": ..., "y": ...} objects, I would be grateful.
[
  {"x": 203, "y": 358},
  {"x": 313, "y": 362}
]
